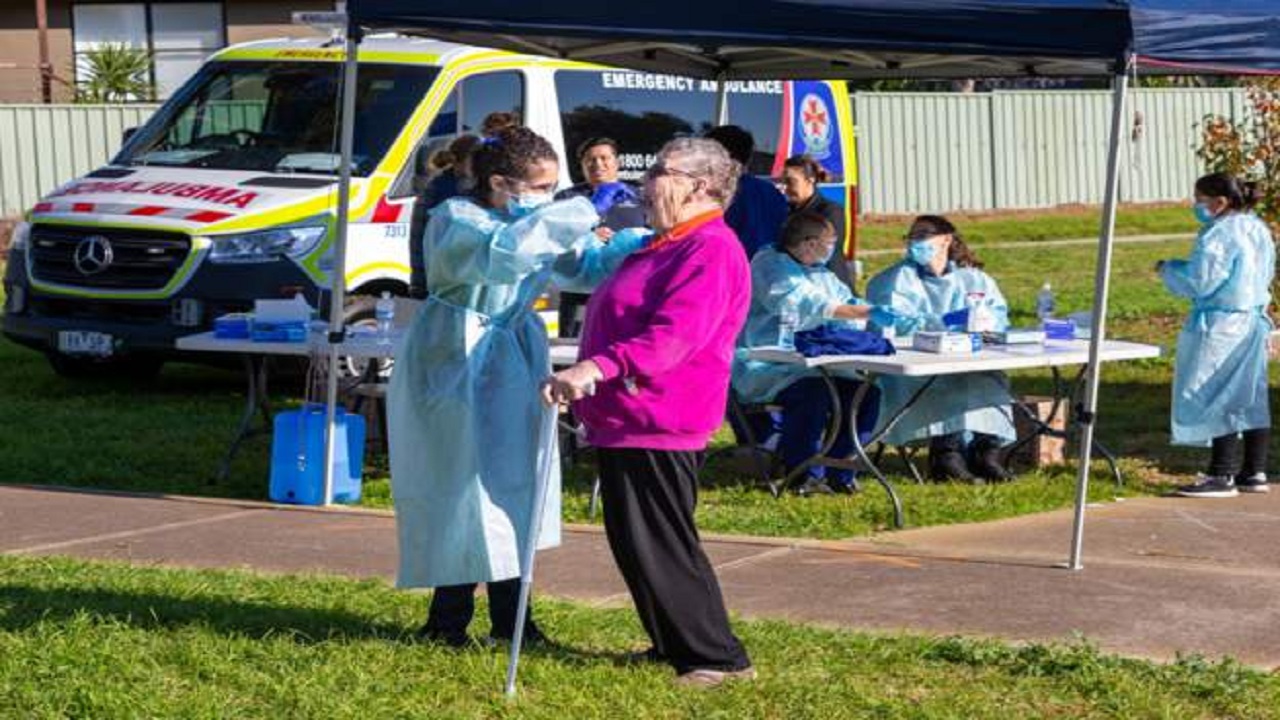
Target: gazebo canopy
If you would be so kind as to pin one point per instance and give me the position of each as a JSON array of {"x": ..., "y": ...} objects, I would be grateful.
[{"x": 852, "y": 39}]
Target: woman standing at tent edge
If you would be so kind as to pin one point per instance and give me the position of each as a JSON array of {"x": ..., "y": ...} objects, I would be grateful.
[{"x": 1220, "y": 395}]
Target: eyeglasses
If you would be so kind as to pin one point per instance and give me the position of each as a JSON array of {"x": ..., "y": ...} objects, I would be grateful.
[
  {"x": 543, "y": 188},
  {"x": 658, "y": 170}
]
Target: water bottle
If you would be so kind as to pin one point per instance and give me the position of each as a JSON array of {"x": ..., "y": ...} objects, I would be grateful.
[
  {"x": 972, "y": 303},
  {"x": 1044, "y": 302},
  {"x": 385, "y": 312},
  {"x": 788, "y": 322}
]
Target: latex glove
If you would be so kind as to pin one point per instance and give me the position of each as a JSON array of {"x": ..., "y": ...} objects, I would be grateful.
[
  {"x": 956, "y": 317},
  {"x": 609, "y": 194},
  {"x": 633, "y": 238},
  {"x": 883, "y": 316}
]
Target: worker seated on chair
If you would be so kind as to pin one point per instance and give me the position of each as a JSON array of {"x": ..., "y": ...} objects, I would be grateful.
[
  {"x": 791, "y": 279},
  {"x": 966, "y": 418}
]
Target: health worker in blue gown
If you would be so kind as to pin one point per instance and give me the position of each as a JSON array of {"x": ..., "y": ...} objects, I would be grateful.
[
  {"x": 1220, "y": 396},
  {"x": 793, "y": 278},
  {"x": 966, "y": 418},
  {"x": 463, "y": 407}
]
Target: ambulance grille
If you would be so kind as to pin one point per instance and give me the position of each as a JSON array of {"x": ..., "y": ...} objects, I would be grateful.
[{"x": 116, "y": 260}]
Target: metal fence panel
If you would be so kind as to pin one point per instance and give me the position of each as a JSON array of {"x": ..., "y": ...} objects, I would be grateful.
[
  {"x": 923, "y": 151},
  {"x": 44, "y": 146},
  {"x": 1035, "y": 148}
]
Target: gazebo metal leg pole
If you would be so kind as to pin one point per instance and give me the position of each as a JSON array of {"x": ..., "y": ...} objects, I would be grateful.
[
  {"x": 338, "y": 274},
  {"x": 1120, "y": 86}
]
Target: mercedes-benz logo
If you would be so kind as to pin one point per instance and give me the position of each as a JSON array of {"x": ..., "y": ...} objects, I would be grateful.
[{"x": 93, "y": 255}]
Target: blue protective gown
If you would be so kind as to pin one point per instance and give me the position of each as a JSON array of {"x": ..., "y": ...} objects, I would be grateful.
[
  {"x": 1220, "y": 373},
  {"x": 463, "y": 404},
  {"x": 973, "y": 402},
  {"x": 777, "y": 279}
]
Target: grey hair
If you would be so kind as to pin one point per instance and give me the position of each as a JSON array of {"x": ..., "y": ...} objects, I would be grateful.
[{"x": 707, "y": 160}]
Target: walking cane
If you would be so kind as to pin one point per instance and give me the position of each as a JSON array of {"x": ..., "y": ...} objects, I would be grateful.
[{"x": 549, "y": 438}]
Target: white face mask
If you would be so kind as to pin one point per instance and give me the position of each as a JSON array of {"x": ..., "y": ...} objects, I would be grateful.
[{"x": 525, "y": 203}]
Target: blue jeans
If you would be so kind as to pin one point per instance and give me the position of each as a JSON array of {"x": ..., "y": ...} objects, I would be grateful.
[{"x": 806, "y": 405}]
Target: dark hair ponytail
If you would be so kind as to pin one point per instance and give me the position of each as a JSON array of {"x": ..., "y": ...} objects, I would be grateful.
[
  {"x": 959, "y": 253},
  {"x": 509, "y": 153},
  {"x": 810, "y": 168},
  {"x": 1240, "y": 194}
]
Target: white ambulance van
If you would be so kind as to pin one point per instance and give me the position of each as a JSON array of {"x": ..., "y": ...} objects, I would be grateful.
[{"x": 228, "y": 193}]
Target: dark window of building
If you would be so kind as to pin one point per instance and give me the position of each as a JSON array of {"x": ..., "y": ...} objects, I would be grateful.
[{"x": 178, "y": 36}]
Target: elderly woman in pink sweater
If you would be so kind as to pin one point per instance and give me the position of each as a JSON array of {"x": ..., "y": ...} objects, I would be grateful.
[{"x": 651, "y": 386}]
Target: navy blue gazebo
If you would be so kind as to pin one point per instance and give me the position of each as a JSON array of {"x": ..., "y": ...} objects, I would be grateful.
[{"x": 856, "y": 39}]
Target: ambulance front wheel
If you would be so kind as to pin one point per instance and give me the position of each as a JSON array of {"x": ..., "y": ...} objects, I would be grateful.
[{"x": 132, "y": 368}]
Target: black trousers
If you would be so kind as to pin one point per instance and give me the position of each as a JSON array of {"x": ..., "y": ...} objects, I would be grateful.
[
  {"x": 1240, "y": 457},
  {"x": 452, "y": 607},
  {"x": 649, "y": 497}
]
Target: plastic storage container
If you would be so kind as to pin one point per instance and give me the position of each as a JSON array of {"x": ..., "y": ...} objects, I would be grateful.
[
  {"x": 297, "y": 456},
  {"x": 233, "y": 326}
]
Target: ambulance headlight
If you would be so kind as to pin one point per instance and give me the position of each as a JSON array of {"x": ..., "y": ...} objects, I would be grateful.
[
  {"x": 21, "y": 237},
  {"x": 265, "y": 245}
]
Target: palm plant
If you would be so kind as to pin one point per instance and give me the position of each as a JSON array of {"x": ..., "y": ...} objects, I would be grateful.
[{"x": 115, "y": 73}]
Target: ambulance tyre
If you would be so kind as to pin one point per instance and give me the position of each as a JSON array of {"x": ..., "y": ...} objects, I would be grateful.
[
  {"x": 137, "y": 368},
  {"x": 360, "y": 311}
]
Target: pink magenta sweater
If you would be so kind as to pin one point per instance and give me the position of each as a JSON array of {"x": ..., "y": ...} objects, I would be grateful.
[{"x": 663, "y": 330}]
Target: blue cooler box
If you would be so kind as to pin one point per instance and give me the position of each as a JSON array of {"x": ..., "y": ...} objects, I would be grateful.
[{"x": 297, "y": 456}]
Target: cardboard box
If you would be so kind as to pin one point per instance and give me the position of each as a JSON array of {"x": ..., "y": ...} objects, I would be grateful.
[{"x": 1042, "y": 450}]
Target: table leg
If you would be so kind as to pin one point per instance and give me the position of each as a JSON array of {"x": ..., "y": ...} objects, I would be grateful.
[
  {"x": 829, "y": 436},
  {"x": 1063, "y": 397},
  {"x": 255, "y": 402},
  {"x": 858, "y": 396}
]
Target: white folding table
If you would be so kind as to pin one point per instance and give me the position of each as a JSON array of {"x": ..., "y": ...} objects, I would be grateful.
[
  {"x": 255, "y": 355},
  {"x": 914, "y": 363}
]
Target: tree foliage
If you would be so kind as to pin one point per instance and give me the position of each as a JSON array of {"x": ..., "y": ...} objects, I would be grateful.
[
  {"x": 115, "y": 73},
  {"x": 1249, "y": 147}
]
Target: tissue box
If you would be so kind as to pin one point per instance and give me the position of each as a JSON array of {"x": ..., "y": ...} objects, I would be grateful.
[
  {"x": 233, "y": 326},
  {"x": 1059, "y": 329},
  {"x": 946, "y": 343},
  {"x": 1016, "y": 336}
]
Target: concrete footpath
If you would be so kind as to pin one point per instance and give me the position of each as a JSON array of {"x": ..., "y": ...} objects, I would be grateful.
[{"x": 1162, "y": 575}]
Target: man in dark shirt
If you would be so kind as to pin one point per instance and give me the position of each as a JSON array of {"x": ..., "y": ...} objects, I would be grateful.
[{"x": 758, "y": 210}]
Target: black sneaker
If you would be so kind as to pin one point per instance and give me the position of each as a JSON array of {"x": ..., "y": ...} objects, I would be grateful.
[
  {"x": 447, "y": 639},
  {"x": 1210, "y": 486},
  {"x": 1255, "y": 483},
  {"x": 950, "y": 465}
]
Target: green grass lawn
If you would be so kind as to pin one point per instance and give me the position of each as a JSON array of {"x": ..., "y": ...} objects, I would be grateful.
[
  {"x": 98, "y": 640},
  {"x": 169, "y": 436}
]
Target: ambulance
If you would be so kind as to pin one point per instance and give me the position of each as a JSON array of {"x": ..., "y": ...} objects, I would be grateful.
[{"x": 229, "y": 192}]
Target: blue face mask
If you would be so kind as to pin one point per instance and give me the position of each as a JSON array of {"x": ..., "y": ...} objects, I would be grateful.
[
  {"x": 1203, "y": 213},
  {"x": 521, "y": 205},
  {"x": 921, "y": 252},
  {"x": 831, "y": 251}
]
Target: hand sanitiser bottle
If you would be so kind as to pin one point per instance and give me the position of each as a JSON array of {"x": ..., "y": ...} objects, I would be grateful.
[
  {"x": 385, "y": 312},
  {"x": 788, "y": 322}
]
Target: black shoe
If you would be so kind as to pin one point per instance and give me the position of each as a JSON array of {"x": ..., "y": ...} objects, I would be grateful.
[
  {"x": 986, "y": 464},
  {"x": 949, "y": 465},
  {"x": 1210, "y": 486},
  {"x": 1255, "y": 483},
  {"x": 437, "y": 637}
]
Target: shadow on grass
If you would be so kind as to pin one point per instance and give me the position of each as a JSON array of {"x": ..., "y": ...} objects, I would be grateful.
[
  {"x": 22, "y": 606},
  {"x": 25, "y": 606}
]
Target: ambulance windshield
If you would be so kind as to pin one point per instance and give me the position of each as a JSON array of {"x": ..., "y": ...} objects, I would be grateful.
[{"x": 278, "y": 117}]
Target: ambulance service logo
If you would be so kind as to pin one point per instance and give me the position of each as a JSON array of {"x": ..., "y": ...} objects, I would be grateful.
[{"x": 815, "y": 126}]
